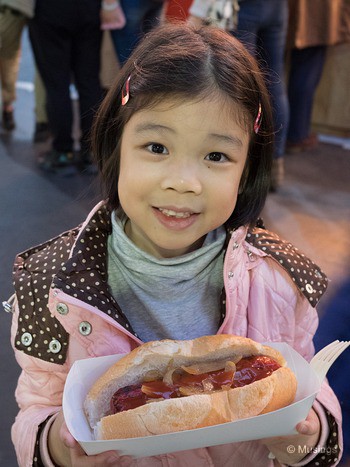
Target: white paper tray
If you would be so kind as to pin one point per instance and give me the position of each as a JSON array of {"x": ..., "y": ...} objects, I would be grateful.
[{"x": 278, "y": 423}]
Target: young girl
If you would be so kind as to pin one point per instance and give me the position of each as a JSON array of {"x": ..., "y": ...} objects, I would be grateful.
[{"x": 183, "y": 142}]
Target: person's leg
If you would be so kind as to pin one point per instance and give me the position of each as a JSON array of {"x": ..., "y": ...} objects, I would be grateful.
[
  {"x": 306, "y": 67},
  {"x": 272, "y": 40},
  {"x": 51, "y": 43},
  {"x": 140, "y": 17},
  {"x": 152, "y": 16},
  {"x": 262, "y": 27},
  {"x": 11, "y": 26},
  {"x": 42, "y": 132},
  {"x": 86, "y": 51},
  {"x": 40, "y": 98},
  {"x": 249, "y": 17},
  {"x": 8, "y": 75}
]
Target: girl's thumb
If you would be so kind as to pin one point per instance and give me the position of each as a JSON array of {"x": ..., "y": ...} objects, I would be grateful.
[{"x": 66, "y": 437}]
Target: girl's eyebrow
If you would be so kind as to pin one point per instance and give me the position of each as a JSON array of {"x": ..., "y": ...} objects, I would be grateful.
[
  {"x": 228, "y": 139},
  {"x": 143, "y": 127},
  {"x": 232, "y": 140}
]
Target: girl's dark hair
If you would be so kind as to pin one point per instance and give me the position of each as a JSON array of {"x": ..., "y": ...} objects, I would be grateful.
[{"x": 180, "y": 61}]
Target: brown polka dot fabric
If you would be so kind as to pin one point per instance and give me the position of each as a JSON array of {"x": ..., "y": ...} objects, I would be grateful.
[
  {"x": 84, "y": 276},
  {"x": 37, "y": 462},
  {"x": 308, "y": 277},
  {"x": 32, "y": 277},
  {"x": 328, "y": 455}
]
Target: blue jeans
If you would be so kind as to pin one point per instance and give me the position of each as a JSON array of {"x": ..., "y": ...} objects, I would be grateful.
[
  {"x": 262, "y": 27},
  {"x": 306, "y": 66},
  {"x": 141, "y": 17}
]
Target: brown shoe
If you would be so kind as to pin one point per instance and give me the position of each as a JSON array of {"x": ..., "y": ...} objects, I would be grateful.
[{"x": 305, "y": 144}]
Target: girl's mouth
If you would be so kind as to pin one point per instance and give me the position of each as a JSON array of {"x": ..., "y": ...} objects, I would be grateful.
[
  {"x": 175, "y": 220},
  {"x": 178, "y": 215}
]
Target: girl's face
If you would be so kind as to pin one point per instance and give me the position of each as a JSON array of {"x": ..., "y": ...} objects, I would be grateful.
[{"x": 180, "y": 170}]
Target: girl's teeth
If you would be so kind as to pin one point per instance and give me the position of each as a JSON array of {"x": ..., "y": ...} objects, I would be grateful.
[{"x": 170, "y": 213}]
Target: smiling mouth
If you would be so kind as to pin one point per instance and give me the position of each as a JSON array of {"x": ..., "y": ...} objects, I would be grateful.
[{"x": 177, "y": 215}]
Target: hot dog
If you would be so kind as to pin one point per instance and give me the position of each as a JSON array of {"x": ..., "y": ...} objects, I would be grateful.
[{"x": 167, "y": 386}]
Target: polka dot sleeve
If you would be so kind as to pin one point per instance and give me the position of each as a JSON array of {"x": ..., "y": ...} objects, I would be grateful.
[
  {"x": 37, "y": 461},
  {"x": 327, "y": 453}
]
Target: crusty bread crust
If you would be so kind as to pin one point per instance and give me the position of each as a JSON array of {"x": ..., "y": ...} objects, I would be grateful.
[{"x": 196, "y": 411}]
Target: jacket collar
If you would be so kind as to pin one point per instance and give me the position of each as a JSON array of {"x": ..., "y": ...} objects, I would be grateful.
[{"x": 85, "y": 275}]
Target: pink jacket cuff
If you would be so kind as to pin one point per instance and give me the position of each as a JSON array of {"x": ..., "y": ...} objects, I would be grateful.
[{"x": 43, "y": 443}]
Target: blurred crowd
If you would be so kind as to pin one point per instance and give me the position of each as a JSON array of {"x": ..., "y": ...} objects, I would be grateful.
[{"x": 289, "y": 37}]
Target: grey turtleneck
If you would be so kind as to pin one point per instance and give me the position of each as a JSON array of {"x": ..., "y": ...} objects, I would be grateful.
[{"x": 174, "y": 298}]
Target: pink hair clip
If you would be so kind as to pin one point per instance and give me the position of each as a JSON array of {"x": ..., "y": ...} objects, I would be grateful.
[
  {"x": 126, "y": 96},
  {"x": 258, "y": 119}
]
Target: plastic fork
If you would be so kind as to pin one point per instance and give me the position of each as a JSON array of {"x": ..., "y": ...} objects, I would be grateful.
[{"x": 325, "y": 358}]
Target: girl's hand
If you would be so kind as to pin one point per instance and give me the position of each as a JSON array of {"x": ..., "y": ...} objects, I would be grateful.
[
  {"x": 291, "y": 449},
  {"x": 114, "y": 19},
  {"x": 66, "y": 450}
]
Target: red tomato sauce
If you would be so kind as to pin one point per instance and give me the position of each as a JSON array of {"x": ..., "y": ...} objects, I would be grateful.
[{"x": 248, "y": 370}]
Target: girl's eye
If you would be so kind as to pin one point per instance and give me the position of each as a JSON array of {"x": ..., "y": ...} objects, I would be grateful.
[
  {"x": 216, "y": 157},
  {"x": 157, "y": 148}
]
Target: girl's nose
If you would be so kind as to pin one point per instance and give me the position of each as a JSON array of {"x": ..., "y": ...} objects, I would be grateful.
[{"x": 184, "y": 179}]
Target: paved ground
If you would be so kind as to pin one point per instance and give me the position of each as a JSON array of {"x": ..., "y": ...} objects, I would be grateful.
[{"x": 312, "y": 211}]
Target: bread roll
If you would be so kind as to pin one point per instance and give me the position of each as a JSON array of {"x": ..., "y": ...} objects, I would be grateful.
[{"x": 188, "y": 412}]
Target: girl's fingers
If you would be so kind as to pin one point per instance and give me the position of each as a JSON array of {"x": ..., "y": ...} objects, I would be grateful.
[
  {"x": 80, "y": 459},
  {"x": 309, "y": 426},
  {"x": 66, "y": 436}
]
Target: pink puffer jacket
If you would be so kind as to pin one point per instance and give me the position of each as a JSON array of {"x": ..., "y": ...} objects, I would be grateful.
[{"x": 269, "y": 287}]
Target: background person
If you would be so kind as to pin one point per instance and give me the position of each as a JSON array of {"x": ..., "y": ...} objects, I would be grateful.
[
  {"x": 135, "y": 18},
  {"x": 314, "y": 26},
  {"x": 66, "y": 41},
  {"x": 13, "y": 16}
]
